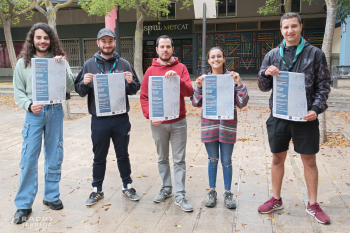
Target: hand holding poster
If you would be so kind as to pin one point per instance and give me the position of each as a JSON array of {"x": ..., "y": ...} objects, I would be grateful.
[
  {"x": 164, "y": 97},
  {"x": 48, "y": 81},
  {"x": 289, "y": 96},
  {"x": 109, "y": 92},
  {"x": 218, "y": 97}
]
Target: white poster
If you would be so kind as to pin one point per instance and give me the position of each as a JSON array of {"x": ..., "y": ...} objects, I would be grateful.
[
  {"x": 109, "y": 92},
  {"x": 164, "y": 97},
  {"x": 289, "y": 96},
  {"x": 48, "y": 81},
  {"x": 218, "y": 97}
]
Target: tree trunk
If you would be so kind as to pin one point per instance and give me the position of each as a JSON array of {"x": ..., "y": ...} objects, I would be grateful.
[
  {"x": 52, "y": 20},
  {"x": 287, "y": 6},
  {"x": 140, "y": 17},
  {"x": 9, "y": 43},
  {"x": 327, "y": 49}
]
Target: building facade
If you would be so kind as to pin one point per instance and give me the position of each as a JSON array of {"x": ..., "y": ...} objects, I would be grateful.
[{"x": 245, "y": 35}]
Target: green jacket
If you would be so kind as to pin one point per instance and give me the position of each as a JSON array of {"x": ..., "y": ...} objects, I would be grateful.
[{"x": 22, "y": 82}]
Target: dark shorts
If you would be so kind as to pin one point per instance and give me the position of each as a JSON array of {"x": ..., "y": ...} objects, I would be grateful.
[{"x": 305, "y": 135}]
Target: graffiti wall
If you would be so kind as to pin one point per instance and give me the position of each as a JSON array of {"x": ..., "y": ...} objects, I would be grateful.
[{"x": 245, "y": 51}]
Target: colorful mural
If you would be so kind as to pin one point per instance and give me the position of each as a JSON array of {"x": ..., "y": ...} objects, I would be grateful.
[{"x": 245, "y": 51}]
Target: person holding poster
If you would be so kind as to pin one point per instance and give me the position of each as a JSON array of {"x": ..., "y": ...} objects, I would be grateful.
[
  {"x": 297, "y": 55},
  {"x": 174, "y": 130},
  {"x": 41, "y": 42},
  {"x": 220, "y": 133},
  {"x": 103, "y": 128}
]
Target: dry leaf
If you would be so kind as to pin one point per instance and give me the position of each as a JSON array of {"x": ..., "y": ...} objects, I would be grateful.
[
  {"x": 311, "y": 220},
  {"x": 340, "y": 221},
  {"x": 273, "y": 220},
  {"x": 107, "y": 204},
  {"x": 282, "y": 224},
  {"x": 280, "y": 231},
  {"x": 225, "y": 228}
]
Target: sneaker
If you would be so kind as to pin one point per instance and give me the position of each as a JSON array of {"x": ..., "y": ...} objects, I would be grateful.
[
  {"x": 211, "y": 199},
  {"x": 230, "y": 202},
  {"x": 131, "y": 193},
  {"x": 163, "y": 194},
  {"x": 270, "y": 206},
  {"x": 21, "y": 216},
  {"x": 55, "y": 205},
  {"x": 316, "y": 212},
  {"x": 94, "y": 197},
  {"x": 183, "y": 203}
]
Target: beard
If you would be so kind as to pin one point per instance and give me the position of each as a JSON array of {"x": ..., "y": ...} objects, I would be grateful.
[
  {"x": 107, "y": 51},
  {"x": 37, "y": 48},
  {"x": 165, "y": 59}
]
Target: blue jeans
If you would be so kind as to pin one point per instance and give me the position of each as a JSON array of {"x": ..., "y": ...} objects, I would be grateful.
[
  {"x": 226, "y": 150},
  {"x": 50, "y": 122}
]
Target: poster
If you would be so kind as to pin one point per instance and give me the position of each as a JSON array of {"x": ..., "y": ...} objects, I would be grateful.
[
  {"x": 289, "y": 96},
  {"x": 164, "y": 97},
  {"x": 48, "y": 81},
  {"x": 218, "y": 97},
  {"x": 110, "y": 98}
]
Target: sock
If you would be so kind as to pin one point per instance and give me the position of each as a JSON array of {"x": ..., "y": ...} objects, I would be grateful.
[{"x": 278, "y": 199}]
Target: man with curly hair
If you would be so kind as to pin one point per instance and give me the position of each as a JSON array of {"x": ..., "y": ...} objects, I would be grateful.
[{"x": 41, "y": 42}]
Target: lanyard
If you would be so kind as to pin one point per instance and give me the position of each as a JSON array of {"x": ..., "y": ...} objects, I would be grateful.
[
  {"x": 115, "y": 63},
  {"x": 299, "y": 50}
]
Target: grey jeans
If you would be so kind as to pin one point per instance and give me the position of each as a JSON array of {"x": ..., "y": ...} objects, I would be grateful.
[{"x": 176, "y": 133}]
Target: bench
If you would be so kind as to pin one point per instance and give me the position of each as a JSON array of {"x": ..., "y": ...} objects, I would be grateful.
[{"x": 339, "y": 72}]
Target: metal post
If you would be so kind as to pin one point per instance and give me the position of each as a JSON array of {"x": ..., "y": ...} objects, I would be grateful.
[
  {"x": 204, "y": 35},
  {"x": 117, "y": 33}
]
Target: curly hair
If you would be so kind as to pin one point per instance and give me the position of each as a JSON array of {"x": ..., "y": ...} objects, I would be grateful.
[
  {"x": 223, "y": 54},
  {"x": 28, "y": 48}
]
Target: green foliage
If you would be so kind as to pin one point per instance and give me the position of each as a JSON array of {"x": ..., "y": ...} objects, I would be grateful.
[
  {"x": 150, "y": 7},
  {"x": 273, "y": 6},
  {"x": 16, "y": 8},
  {"x": 343, "y": 10}
]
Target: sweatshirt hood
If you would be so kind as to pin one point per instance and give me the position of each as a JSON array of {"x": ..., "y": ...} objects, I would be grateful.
[
  {"x": 100, "y": 58},
  {"x": 156, "y": 63}
]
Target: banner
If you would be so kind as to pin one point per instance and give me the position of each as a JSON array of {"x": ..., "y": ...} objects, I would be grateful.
[
  {"x": 164, "y": 97},
  {"x": 110, "y": 98},
  {"x": 218, "y": 97},
  {"x": 48, "y": 81},
  {"x": 289, "y": 96}
]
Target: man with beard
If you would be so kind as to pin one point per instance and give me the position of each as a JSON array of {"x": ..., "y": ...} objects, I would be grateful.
[
  {"x": 175, "y": 130},
  {"x": 41, "y": 42},
  {"x": 104, "y": 128}
]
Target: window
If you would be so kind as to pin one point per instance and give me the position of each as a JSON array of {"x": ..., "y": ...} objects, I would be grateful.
[
  {"x": 295, "y": 6},
  {"x": 170, "y": 15},
  {"x": 226, "y": 8}
]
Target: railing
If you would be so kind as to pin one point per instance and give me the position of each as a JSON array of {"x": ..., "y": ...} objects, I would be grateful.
[{"x": 339, "y": 72}]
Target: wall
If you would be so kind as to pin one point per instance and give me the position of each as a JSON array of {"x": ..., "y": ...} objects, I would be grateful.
[{"x": 344, "y": 58}]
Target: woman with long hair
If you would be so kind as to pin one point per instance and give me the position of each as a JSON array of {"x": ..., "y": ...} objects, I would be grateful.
[{"x": 220, "y": 134}]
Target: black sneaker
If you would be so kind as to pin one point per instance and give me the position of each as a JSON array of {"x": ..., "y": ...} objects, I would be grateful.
[
  {"x": 131, "y": 193},
  {"x": 21, "y": 216},
  {"x": 55, "y": 205},
  {"x": 94, "y": 197}
]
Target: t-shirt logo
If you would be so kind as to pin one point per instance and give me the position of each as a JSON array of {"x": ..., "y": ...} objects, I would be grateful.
[{"x": 306, "y": 61}]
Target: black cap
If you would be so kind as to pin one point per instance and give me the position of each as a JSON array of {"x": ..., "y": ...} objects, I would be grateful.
[{"x": 105, "y": 32}]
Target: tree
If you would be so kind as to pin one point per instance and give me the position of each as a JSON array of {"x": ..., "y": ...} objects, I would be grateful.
[
  {"x": 335, "y": 10},
  {"x": 50, "y": 11},
  {"x": 10, "y": 10},
  {"x": 143, "y": 8}
]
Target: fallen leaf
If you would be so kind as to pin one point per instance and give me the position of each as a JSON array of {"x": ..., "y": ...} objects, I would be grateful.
[
  {"x": 225, "y": 228},
  {"x": 340, "y": 221},
  {"x": 108, "y": 204},
  {"x": 311, "y": 220},
  {"x": 137, "y": 227},
  {"x": 177, "y": 225},
  {"x": 96, "y": 211},
  {"x": 69, "y": 227},
  {"x": 106, "y": 209},
  {"x": 282, "y": 224},
  {"x": 296, "y": 194},
  {"x": 273, "y": 220},
  {"x": 280, "y": 231},
  {"x": 296, "y": 205},
  {"x": 85, "y": 221}
]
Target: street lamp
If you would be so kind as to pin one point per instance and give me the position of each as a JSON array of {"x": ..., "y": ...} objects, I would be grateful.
[{"x": 200, "y": 12}]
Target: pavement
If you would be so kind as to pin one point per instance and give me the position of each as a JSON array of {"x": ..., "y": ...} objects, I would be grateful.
[{"x": 251, "y": 181}]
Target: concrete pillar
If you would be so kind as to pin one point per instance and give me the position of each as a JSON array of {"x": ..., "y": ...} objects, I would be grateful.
[
  {"x": 111, "y": 21},
  {"x": 344, "y": 58}
]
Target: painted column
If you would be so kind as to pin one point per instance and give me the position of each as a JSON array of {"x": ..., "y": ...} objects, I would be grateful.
[
  {"x": 344, "y": 58},
  {"x": 111, "y": 22}
]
